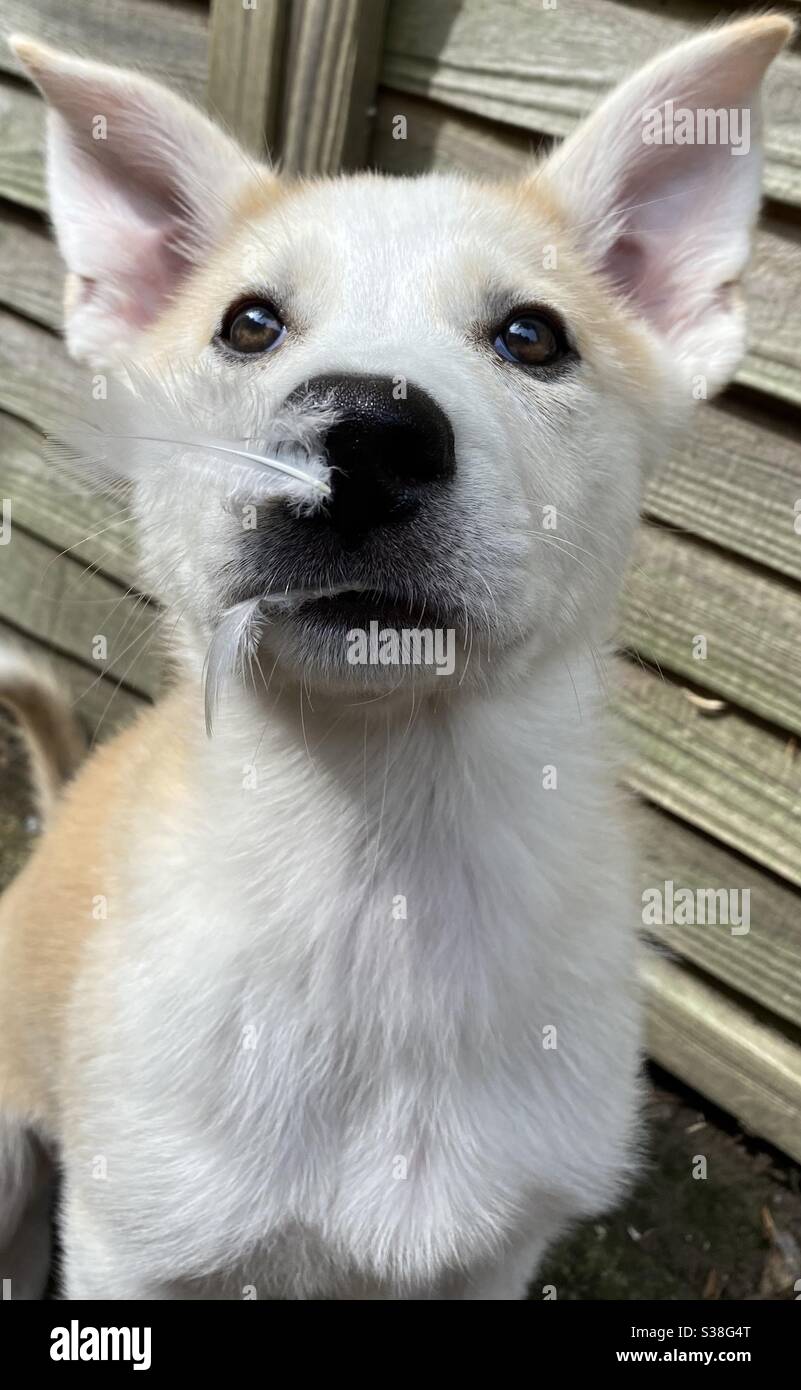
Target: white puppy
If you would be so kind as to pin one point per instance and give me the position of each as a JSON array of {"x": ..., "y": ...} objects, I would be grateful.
[{"x": 358, "y": 1017}]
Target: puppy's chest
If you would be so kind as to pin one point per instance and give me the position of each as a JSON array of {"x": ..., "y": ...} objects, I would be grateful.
[
  {"x": 370, "y": 1063},
  {"x": 385, "y": 1089},
  {"x": 404, "y": 1155}
]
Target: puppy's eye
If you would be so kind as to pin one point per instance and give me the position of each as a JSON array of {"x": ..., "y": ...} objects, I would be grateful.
[
  {"x": 252, "y": 327},
  {"x": 532, "y": 339}
]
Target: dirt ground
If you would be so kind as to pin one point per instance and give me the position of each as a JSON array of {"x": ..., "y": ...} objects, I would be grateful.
[{"x": 734, "y": 1234}]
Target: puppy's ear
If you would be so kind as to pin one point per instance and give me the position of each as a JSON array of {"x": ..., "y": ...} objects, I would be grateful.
[
  {"x": 141, "y": 186},
  {"x": 662, "y": 187}
]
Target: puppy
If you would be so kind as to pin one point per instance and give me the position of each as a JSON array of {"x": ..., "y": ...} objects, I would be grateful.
[{"x": 339, "y": 1000}]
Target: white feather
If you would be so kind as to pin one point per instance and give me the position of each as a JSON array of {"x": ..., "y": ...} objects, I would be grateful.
[{"x": 145, "y": 424}]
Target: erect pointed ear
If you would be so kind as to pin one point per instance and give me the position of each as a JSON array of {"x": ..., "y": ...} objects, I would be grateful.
[
  {"x": 141, "y": 187},
  {"x": 662, "y": 187}
]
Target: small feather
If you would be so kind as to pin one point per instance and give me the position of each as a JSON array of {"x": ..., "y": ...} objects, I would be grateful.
[
  {"x": 235, "y": 638},
  {"x": 237, "y": 634},
  {"x": 220, "y": 433}
]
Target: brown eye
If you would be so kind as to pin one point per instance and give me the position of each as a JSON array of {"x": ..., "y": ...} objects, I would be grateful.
[
  {"x": 252, "y": 327},
  {"x": 533, "y": 340}
]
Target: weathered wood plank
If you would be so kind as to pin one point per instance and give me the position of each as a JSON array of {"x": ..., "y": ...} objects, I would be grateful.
[
  {"x": 165, "y": 39},
  {"x": 92, "y": 528},
  {"x": 678, "y": 592},
  {"x": 721, "y": 1048},
  {"x": 734, "y": 779},
  {"x": 21, "y": 143},
  {"x": 334, "y": 55},
  {"x": 773, "y": 292},
  {"x": 31, "y": 270},
  {"x": 440, "y": 139},
  {"x": 246, "y": 58},
  {"x": 693, "y": 11},
  {"x": 763, "y": 963},
  {"x": 543, "y": 69},
  {"x": 60, "y": 602},
  {"x": 102, "y": 706},
  {"x": 38, "y": 381},
  {"x": 735, "y": 481},
  {"x": 437, "y": 138}
]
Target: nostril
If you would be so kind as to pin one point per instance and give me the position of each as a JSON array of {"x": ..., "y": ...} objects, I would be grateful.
[{"x": 388, "y": 447}]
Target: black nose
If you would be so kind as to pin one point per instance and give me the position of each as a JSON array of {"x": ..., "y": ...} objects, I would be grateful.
[{"x": 390, "y": 444}]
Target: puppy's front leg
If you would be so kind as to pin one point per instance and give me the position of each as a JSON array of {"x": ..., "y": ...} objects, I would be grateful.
[{"x": 94, "y": 1265}]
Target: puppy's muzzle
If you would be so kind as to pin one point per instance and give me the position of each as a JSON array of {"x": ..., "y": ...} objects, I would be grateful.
[{"x": 390, "y": 446}]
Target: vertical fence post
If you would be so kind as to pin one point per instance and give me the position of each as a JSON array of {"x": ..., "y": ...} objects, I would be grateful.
[
  {"x": 334, "y": 59},
  {"x": 297, "y": 77},
  {"x": 245, "y": 68}
]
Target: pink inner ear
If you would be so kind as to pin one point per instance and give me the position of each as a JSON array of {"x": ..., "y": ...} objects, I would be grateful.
[
  {"x": 639, "y": 273},
  {"x": 134, "y": 204},
  {"x": 625, "y": 264},
  {"x": 159, "y": 269},
  {"x": 136, "y": 267},
  {"x": 677, "y": 211},
  {"x": 662, "y": 186},
  {"x": 122, "y": 225}
]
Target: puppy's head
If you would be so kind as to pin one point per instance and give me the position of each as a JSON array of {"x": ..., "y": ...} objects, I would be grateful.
[{"x": 479, "y": 372}]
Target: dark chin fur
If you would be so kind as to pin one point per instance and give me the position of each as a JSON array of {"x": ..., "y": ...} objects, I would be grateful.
[{"x": 312, "y": 643}]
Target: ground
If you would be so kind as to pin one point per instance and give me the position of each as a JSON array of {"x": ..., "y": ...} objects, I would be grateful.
[{"x": 733, "y": 1234}]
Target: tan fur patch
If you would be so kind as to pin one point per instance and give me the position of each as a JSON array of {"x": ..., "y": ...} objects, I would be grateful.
[
  {"x": 185, "y": 326},
  {"x": 602, "y": 323},
  {"x": 46, "y": 916}
]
